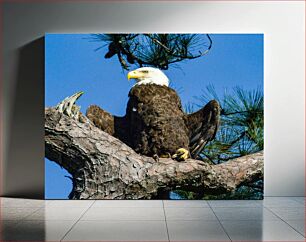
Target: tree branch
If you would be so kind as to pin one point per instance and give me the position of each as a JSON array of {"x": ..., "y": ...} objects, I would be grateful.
[{"x": 103, "y": 167}]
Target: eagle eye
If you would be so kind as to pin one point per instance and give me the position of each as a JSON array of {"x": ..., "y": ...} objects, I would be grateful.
[{"x": 145, "y": 71}]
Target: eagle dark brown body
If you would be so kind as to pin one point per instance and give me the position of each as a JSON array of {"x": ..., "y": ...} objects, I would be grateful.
[
  {"x": 155, "y": 123},
  {"x": 156, "y": 120}
]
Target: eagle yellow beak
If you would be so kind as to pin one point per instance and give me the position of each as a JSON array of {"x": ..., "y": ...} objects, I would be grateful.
[{"x": 133, "y": 75}]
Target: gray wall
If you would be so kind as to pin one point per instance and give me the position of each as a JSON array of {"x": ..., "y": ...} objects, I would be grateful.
[{"x": 23, "y": 74}]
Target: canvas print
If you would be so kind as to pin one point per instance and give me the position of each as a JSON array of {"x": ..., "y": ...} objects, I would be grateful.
[{"x": 154, "y": 116}]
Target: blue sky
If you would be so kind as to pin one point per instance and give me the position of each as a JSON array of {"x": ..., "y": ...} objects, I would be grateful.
[{"x": 72, "y": 65}]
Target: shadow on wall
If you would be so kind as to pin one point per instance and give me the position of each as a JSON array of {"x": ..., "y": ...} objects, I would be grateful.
[{"x": 24, "y": 170}]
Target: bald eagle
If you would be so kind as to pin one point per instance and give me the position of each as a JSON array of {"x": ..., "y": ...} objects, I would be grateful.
[{"x": 155, "y": 123}]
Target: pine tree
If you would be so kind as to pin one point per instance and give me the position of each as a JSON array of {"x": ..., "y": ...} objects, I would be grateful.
[{"x": 156, "y": 50}]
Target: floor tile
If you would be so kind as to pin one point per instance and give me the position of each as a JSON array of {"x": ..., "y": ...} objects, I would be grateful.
[
  {"x": 57, "y": 213},
  {"x": 11, "y": 213},
  {"x": 289, "y": 213},
  {"x": 140, "y": 220},
  {"x": 298, "y": 225},
  {"x": 300, "y": 200},
  {"x": 235, "y": 203},
  {"x": 186, "y": 203},
  {"x": 124, "y": 214},
  {"x": 128, "y": 203},
  {"x": 196, "y": 231},
  {"x": 281, "y": 202},
  {"x": 118, "y": 231},
  {"x": 8, "y": 223},
  {"x": 261, "y": 231},
  {"x": 7, "y": 228},
  {"x": 71, "y": 203},
  {"x": 39, "y": 230},
  {"x": 21, "y": 203},
  {"x": 244, "y": 214},
  {"x": 189, "y": 214}
]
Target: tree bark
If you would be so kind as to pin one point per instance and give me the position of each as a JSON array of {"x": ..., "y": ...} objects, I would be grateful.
[{"x": 103, "y": 167}]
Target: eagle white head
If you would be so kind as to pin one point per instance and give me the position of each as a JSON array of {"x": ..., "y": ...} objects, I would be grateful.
[{"x": 148, "y": 75}]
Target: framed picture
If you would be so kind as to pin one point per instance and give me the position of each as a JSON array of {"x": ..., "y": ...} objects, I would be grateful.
[{"x": 154, "y": 116}]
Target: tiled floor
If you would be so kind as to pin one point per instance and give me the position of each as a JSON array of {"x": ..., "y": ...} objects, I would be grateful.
[{"x": 274, "y": 219}]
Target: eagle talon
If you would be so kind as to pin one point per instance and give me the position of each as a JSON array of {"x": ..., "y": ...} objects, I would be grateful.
[
  {"x": 166, "y": 155},
  {"x": 181, "y": 154}
]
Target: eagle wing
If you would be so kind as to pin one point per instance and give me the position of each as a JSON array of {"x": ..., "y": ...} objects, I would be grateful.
[
  {"x": 203, "y": 126},
  {"x": 113, "y": 125},
  {"x": 101, "y": 119}
]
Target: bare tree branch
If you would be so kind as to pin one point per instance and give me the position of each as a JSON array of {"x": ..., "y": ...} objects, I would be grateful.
[{"x": 103, "y": 167}]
